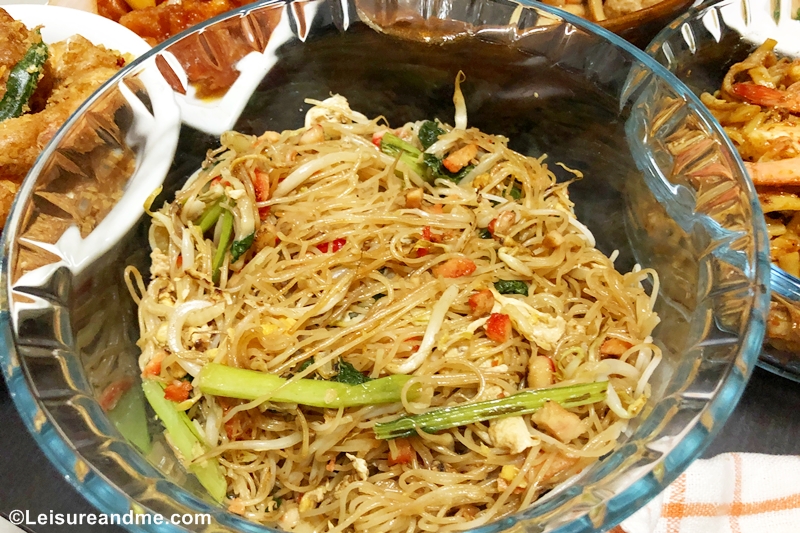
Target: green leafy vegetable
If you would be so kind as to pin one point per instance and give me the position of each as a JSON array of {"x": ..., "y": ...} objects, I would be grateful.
[
  {"x": 484, "y": 233},
  {"x": 22, "y": 81},
  {"x": 508, "y": 286},
  {"x": 515, "y": 193},
  {"x": 429, "y": 133},
  {"x": 348, "y": 374},
  {"x": 184, "y": 437},
  {"x": 224, "y": 240},
  {"x": 517, "y": 404},
  {"x": 221, "y": 380},
  {"x": 437, "y": 169},
  {"x": 238, "y": 248},
  {"x": 378, "y": 296},
  {"x": 307, "y": 363}
]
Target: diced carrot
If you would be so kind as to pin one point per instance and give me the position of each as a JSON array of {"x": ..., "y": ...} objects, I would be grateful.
[
  {"x": 404, "y": 455},
  {"x": 455, "y": 268},
  {"x": 614, "y": 347},
  {"x": 422, "y": 252},
  {"x": 153, "y": 366},
  {"x": 429, "y": 236},
  {"x": 178, "y": 391},
  {"x": 261, "y": 188},
  {"x": 436, "y": 209},
  {"x": 232, "y": 428},
  {"x": 376, "y": 138},
  {"x": 460, "y": 158},
  {"x": 481, "y": 302},
  {"x": 498, "y": 327},
  {"x": 113, "y": 392},
  {"x": 336, "y": 245}
]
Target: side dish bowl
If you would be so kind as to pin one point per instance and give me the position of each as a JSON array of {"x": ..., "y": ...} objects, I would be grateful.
[
  {"x": 699, "y": 48},
  {"x": 60, "y": 23},
  {"x": 548, "y": 81}
]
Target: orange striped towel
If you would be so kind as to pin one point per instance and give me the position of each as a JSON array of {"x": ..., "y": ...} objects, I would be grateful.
[{"x": 731, "y": 493}]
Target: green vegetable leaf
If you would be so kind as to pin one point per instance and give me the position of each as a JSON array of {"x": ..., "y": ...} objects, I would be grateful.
[
  {"x": 506, "y": 286},
  {"x": 305, "y": 364},
  {"x": 349, "y": 375},
  {"x": 378, "y": 296},
  {"x": 515, "y": 193},
  {"x": 238, "y": 248},
  {"x": 484, "y": 233},
  {"x": 429, "y": 133}
]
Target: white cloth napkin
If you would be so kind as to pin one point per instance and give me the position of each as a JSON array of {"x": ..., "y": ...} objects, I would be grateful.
[{"x": 731, "y": 493}]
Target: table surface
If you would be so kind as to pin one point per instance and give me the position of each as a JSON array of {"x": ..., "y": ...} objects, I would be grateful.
[{"x": 765, "y": 421}]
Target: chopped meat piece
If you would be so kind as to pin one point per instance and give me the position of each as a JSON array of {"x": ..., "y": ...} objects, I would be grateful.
[{"x": 562, "y": 424}]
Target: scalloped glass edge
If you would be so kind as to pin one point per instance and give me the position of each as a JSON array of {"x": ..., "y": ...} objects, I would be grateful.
[
  {"x": 603, "y": 514},
  {"x": 782, "y": 283}
]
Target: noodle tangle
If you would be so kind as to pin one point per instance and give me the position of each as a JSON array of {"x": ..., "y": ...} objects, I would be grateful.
[{"x": 348, "y": 247}]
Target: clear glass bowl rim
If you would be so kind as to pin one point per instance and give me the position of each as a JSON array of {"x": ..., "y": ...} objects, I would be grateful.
[{"x": 109, "y": 499}]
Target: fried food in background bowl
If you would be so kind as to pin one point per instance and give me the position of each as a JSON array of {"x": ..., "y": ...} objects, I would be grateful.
[
  {"x": 46, "y": 72},
  {"x": 746, "y": 71}
]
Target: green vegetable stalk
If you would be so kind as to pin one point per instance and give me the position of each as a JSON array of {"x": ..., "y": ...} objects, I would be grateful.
[
  {"x": 184, "y": 437},
  {"x": 130, "y": 419},
  {"x": 409, "y": 154},
  {"x": 221, "y": 380},
  {"x": 210, "y": 216},
  {"x": 22, "y": 81},
  {"x": 517, "y": 404},
  {"x": 224, "y": 240}
]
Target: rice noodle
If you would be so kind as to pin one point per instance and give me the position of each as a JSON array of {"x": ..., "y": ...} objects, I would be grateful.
[{"x": 337, "y": 258}]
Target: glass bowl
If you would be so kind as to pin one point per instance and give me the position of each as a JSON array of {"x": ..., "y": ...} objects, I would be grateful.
[
  {"x": 699, "y": 48},
  {"x": 550, "y": 82}
]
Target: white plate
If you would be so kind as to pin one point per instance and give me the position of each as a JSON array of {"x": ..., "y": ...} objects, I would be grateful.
[{"x": 60, "y": 23}]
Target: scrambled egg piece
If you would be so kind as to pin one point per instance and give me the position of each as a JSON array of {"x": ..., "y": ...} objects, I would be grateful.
[
  {"x": 510, "y": 433},
  {"x": 541, "y": 328}
]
